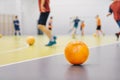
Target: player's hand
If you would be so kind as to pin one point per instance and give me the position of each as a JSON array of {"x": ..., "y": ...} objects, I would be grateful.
[
  {"x": 108, "y": 14},
  {"x": 43, "y": 9}
]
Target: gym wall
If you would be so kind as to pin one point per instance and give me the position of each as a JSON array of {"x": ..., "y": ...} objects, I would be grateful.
[{"x": 61, "y": 10}]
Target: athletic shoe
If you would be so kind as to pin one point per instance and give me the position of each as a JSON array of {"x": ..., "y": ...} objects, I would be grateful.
[
  {"x": 51, "y": 43},
  {"x": 117, "y": 35}
]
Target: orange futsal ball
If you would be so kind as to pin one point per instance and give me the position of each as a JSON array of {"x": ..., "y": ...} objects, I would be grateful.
[
  {"x": 76, "y": 52},
  {"x": 30, "y": 40}
]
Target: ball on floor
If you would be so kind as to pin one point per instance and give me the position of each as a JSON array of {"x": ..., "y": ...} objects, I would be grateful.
[
  {"x": 30, "y": 40},
  {"x": 76, "y": 52}
]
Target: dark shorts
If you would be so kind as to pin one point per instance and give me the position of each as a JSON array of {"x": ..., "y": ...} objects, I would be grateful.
[
  {"x": 98, "y": 28},
  {"x": 17, "y": 28},
  {"x": 118, "y": 22},
  {"x": 43, "y": 18}
]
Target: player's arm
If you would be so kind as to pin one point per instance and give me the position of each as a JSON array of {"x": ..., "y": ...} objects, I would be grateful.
[
  {"x": 110, "y": 12},
  {"x": 42, "y": 5}
]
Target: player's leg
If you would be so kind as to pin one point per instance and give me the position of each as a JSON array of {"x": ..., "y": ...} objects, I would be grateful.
[
  {"x": 97, "y": 32},
  {"x": 18, "y": 30},
  {"x": 102, "y": 33},
  {"x": 73, "y": 32},
  {"x": 82, "y": 31},
  {"x": 15, "y": 33},
  {"x": 117, "y": 34},
  {"x": 42, "y": 26}
]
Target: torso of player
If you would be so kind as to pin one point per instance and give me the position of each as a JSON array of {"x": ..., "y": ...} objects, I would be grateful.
[
  {"x": 115, "y": 6},
  {"x": 16, "y": 23},
  {"x": 76, "y": 21},
  {"x": 98, "y": 21},
  {"x": 82, "y": 25},
  {"x": 46, "y": 5}
]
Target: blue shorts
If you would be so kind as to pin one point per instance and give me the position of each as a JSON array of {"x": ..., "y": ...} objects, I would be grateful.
[
  {"x": 118, "y": 22},
  {"x": 43, "y": 18},
  {"x": 17, "y": 28},
  {"x": 75, "y": 25}
]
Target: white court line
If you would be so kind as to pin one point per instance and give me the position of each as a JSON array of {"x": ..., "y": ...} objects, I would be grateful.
[
  {"x": 54, "y": 55},
  {"x": 103, "y": 45},
  {"x": 13, "y": 50}
]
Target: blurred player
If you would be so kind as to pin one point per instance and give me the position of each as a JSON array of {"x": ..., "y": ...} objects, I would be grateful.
[
  {"x": 98, "y": 23},
  {"x": 115, "y": 10},
  {"x": 16, "y": 26},
  {"x": 44, "y": 7},
  {"x": 82, "y": 28},
  {"x": 76, "y": 23}
]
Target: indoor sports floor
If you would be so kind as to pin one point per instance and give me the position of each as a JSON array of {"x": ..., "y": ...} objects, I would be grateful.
[{"x": 18, "y": 61}]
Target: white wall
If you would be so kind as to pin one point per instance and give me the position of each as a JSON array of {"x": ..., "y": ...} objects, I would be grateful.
[
  {"x": 11, "y": 7},
  {"x": 8, "y": 7},
  {"x": 30, "y": 15},
  {"x": 86, "y": 10},
  {"x": 61, "y": 10}
]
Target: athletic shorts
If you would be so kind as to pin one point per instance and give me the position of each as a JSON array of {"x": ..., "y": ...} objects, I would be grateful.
[
  {"x": 75, "y": 25},
  {"x": 43, "y": 18},
  {"x": 17, "y": 28},
  {"x": 118, "y": 22},
  {"x": 98, "y": 28}
]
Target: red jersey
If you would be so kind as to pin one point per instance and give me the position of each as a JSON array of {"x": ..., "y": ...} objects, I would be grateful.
[
  {"x": 115, "y": 9},
  {"x": 46, "y": 5}
]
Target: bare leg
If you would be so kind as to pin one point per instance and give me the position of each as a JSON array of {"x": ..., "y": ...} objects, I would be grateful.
[
  {"x": 82, "y": 32},
  {"x": 52, "y": 39},
  {"x": 102, "y": 32},
  {"x": 97, "y": 32},
  {"x": 15, "y": 33},
  {"x": 73, "y": 32},
  {"x": 45, "y": 30},
  {"x": 19, "y": 32}
]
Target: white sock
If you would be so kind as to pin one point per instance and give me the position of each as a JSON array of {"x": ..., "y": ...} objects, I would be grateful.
[{"x": 52, "y": 39}]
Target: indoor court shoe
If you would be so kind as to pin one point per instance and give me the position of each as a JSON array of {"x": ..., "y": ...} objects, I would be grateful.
[
  {"x": 117, "y": 35},
  {"x": 51, "y": 43}
]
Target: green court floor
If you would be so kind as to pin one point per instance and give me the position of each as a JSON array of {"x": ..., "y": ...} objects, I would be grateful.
[{"x": 15, "y": 49}]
